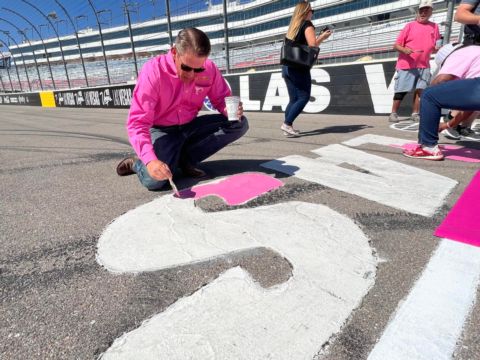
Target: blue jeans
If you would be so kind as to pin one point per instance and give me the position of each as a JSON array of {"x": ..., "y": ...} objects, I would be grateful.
[
  {"x": 190, "y": 143},
  {"x": 456, "y": 94},
  {"x": 299, "y": 85}
]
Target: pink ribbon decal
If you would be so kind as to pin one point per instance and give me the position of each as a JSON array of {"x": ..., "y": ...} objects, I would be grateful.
[
  {"x": 463, "y": 221},
  {"x": 235, "y": 190}
]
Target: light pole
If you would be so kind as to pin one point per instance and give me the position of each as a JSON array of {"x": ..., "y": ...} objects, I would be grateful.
[
  {"x": 59, "y": 22},
  {"x": 130, "y": 32},
  {"x": 76, "y": 36},
  {"x": 101, "y": 41},
  {"x": 154, "y": 2},
  {"x": 5, "y": 64},
  {"x": 225, "y": 30},
  {"x": 22, "y": 32},
  {"x": 7, "y": 33},
  {"x": 41, "y": 39},
  {"x": 53, "y": 15},
  {"x": 448, "y": 22},
  {"x": 15, "y": 62},
  {"x": 40, "y": 28},
  {"x": 105, "y": 11},
  {"x": 169, "y": 23},
  {"x": 3, "y": 85},
  {"x": 78, "y": 17},
  {"x": 26, "y": 31}
]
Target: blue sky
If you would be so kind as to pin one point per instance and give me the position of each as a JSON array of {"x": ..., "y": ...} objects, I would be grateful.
[{"x": 110, "y": 14}]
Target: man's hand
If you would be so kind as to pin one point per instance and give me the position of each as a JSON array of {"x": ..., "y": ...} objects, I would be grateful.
[
  {"x": 404, "y": 50},
  {"x": 443, "y": 126},
  {"x": 158, "y": 170},
  {"x": 442, "y": 78}
]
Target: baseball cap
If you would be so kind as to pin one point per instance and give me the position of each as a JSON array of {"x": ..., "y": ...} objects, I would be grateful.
[
  {"x": 444, "y": 51},
  {"x": 425, "y": 3}
]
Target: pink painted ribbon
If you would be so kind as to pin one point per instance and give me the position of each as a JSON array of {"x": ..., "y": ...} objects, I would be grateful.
[
  {"x": 235, "y": 190},
  {"x": 463, "y": 222}
]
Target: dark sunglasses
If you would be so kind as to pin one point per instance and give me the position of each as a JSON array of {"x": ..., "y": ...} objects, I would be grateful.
[{"x": 189, "y": 69}]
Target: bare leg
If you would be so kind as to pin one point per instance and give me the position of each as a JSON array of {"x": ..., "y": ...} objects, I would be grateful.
[
  {"x": 416, "y": 101},
  {"x": 464, "y": 117},
  {"x": 469, "y": 118},
  {"x": 396, "y": 105}
]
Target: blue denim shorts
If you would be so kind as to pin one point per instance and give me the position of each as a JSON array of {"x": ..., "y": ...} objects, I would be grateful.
[{"x": 412, "y": 79}]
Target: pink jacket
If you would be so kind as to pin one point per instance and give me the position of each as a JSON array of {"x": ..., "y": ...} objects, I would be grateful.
[{"x": 160, "y": 98}]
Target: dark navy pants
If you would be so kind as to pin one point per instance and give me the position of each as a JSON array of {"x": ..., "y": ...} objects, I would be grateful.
[
  {"x": 299, "y": 85},
  {"x": 190, "y": 143},
  {"x": 456, "y": 94}
]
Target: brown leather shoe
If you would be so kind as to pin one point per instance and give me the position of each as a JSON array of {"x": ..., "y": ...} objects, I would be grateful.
[
  {"x": 193, "y": 172},
  {"x": 125, "y": 167}
]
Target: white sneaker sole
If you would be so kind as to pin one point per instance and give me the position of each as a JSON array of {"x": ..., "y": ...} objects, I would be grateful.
[
  {"x": 469, "y": 138},
  {"x": 287, "y": 134}
]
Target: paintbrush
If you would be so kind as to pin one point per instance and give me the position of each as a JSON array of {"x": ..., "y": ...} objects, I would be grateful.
[{"x": 174, "y": 187}]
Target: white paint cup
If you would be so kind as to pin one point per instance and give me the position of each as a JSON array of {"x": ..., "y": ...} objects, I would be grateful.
[{"x": 232, "y": 103}]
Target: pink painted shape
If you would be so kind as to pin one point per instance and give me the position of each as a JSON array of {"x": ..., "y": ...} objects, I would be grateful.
[
  {"x": 235, "y": 190},
  {"x": 452, "y": 152},
  {"x": 463, "y": 221}
]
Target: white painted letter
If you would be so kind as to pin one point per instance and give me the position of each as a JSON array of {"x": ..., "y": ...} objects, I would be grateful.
[
  {"x": 428, "y": 323},
  {"x": 382, "y": 97},
  {"x": 320, "y": 93},
  {"x": 248, "y": 104},
  {"x": 387, "y": 182},
  {"x": 333, "y": 269},
  {"x": 276, "y": 85}
]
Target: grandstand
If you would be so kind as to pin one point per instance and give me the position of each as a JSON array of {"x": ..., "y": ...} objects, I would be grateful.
[{"x": 255, "y": 32}]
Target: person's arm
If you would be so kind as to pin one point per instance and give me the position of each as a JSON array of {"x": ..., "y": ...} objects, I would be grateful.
[
  {"x": 437, "y": 37},
  {"x": 465, "y": 15},
  {"x": 315, "y": 41},
  {"x": 443, "y": 78},
  {"x": 457, "y": 119},
  {"x": 140, "y": 120},
  {"x": 400, "y": 42},
  {"x": 402, "y": 49},
  {"x": 219, "y": 91},
  {"x": 454, "y": 67}
]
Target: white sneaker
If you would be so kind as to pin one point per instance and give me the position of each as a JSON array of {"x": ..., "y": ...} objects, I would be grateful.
[
  {"x": 393, "y": 117},
  {"x": 289, "y": 130},
  {"x": 415, "y": 117}
]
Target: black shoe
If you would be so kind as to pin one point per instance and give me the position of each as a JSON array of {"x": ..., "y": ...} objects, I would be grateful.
[
  {"x": 468, "y": 134},
  {"x": 125, "y": 167},
  {"x": 452, "y": 133}
]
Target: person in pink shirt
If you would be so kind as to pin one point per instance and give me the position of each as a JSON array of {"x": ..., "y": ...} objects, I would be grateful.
[
  {"x": 415, "y": 43},
  {"x": 163, "y": 125}
]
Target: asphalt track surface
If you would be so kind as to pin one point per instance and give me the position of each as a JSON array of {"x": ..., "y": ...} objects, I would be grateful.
[{"x": 59, "y": 191}]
